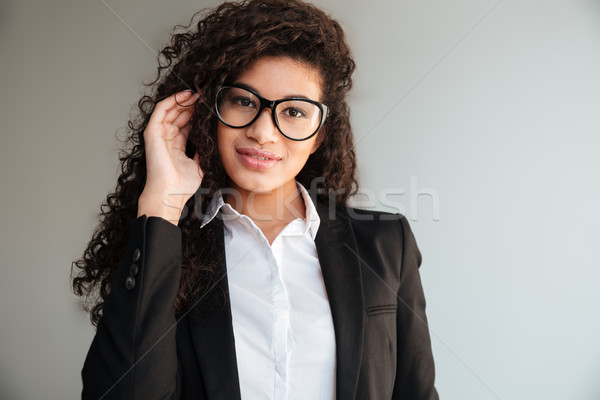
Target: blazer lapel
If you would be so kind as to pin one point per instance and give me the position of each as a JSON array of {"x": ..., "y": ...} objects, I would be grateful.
[
  {"x": 336, "y": 247},
  {"x": 212, "y": 334}
]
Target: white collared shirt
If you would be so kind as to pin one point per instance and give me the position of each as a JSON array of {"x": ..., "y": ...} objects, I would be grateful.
[{"x": 282, "y": 324}]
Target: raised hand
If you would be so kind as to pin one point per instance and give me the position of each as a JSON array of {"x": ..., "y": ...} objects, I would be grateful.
[{"x": 172, "y": 177}]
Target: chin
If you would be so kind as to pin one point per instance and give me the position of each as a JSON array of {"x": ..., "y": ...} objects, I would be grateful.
[{"x": 254, "y": 185}]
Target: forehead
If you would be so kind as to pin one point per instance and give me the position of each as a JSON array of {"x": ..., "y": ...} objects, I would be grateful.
[{"x": 279, "y": 77}]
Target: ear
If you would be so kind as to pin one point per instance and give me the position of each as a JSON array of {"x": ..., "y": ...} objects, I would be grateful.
[{"x": 319, "y": 141}]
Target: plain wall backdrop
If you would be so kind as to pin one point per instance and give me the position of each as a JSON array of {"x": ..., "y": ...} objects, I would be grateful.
[{"x": 479, "y": 120}]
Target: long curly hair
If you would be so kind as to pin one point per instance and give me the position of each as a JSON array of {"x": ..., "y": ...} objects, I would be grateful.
[{"x": 215, "y": 47}]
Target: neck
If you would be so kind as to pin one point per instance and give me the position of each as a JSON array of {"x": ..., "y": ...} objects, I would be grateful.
[{"x": 270, "y": 211}]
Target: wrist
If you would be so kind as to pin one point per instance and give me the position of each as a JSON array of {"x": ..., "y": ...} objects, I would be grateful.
[{"x": 158, "y": 206}]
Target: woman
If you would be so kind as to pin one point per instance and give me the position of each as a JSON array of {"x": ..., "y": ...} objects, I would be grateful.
[{"x": 233, "y": 281}]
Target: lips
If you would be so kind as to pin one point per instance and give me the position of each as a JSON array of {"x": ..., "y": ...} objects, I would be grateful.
[
  {"x": 258, "y": 153},
  {"x": 257, "y": 159}
]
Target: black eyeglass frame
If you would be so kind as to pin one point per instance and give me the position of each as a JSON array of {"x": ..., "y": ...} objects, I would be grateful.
[{"x": 271, "y": 104}]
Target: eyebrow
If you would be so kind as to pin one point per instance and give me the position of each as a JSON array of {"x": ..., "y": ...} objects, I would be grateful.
[{"x": 250, "y": 87}]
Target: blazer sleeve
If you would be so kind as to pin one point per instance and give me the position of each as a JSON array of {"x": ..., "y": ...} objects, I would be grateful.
[
  {"x": 415, "y": 373},
  {"x": 133, "y": 354}
]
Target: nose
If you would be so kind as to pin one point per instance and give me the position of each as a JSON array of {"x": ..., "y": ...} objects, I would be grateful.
[{"x": 263, "y": 130}]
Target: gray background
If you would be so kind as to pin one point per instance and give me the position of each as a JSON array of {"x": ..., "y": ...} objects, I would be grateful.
[{"x": 478, "y": 119}]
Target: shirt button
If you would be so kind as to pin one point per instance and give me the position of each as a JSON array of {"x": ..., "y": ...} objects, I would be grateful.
[
  {"x": 134, "y": 269},
  {"x": 129, "y": 283},
  {"x": 137, "y": 253}
]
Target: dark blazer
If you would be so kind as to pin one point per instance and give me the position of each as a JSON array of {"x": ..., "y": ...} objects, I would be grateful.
[{"x": 369, "y": 261}]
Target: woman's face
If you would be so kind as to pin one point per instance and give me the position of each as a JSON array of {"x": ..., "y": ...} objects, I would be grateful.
[{"x": 242, "y": 149}]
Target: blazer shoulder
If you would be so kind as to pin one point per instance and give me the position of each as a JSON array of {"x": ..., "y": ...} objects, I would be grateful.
[
  {"x": 367, "y": 226},
  {"x": 373, "y": 222},
  {"x": 388, "y": 232}
]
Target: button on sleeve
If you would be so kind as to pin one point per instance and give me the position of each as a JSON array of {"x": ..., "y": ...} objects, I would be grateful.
[
  {"x": 136, "y": 254},
  {"x": 129, "y": 283}
]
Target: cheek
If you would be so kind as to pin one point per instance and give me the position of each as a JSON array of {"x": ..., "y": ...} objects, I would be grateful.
[
  {"x": 304, "y": 150},
  {"x": 299, "y": 155},
  {"x": 220, "y": 135}
]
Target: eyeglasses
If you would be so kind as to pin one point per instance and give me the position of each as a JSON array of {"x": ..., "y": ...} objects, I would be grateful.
[{"x": 296, "y": 118}]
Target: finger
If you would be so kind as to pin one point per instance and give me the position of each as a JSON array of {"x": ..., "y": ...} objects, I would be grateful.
[
  {"x": 185, "y": 107},
  {"x": 185, "y": 131},
  {"x": 180, "y": 139},
  {"x": 184, "y": 98},
  {"x": 182, "y": 118},
  {"x": 165, "y": 106}
]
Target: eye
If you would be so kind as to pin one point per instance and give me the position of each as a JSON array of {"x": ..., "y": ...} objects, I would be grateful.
[
  {"x": 294, "y": 112},
  {"x": 242, "y": 102}
]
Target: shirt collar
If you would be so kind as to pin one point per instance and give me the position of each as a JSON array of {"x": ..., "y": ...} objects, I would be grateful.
[
  {"x": 312, "y": 220},
  {"x": 312, "y": 217},
  {"x": 213, "y": 208}
]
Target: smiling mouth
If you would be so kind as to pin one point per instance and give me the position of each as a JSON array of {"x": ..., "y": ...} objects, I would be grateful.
[
  {"x": 258, "y": 154},
  {"x": 257, "y": 159}
]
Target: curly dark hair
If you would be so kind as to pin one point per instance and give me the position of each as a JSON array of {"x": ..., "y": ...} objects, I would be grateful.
[{"x": 202, "y": 56}]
